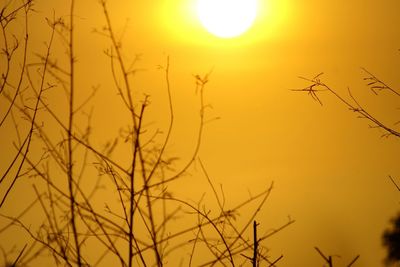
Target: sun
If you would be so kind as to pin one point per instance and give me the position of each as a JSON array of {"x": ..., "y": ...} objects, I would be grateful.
[{"x": 227, "y": 18}]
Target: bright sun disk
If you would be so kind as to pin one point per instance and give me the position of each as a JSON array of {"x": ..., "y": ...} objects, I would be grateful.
[{"x": 227, "y": 18}]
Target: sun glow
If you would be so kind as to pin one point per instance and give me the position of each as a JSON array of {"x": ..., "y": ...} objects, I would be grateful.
[{"x": 227, "y": 18}]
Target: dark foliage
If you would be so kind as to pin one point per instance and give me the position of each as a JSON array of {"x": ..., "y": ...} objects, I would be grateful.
[{"x": 391, "y": 240}]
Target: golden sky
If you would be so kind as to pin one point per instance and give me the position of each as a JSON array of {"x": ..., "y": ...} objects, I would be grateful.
[{"x": 330, "y": 170}]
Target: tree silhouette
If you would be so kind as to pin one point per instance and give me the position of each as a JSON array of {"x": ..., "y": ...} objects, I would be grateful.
[{"x": 113, "y": 204}]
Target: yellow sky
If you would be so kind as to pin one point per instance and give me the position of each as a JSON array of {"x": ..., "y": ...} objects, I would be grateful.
[{"x": 330, "y": 170}]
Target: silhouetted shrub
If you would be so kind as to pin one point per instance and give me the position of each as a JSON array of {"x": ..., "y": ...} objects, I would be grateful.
[{"x": 391, "y": 240}]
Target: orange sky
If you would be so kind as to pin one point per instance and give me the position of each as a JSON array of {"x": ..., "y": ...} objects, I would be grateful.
[{"x": 330, "y": 170}]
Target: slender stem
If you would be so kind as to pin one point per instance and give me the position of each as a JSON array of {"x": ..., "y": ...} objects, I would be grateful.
[
  {"x": 132, "y": 197},
  {"x": 255, "y": 244},
  {"x": 70, "y": 137}
]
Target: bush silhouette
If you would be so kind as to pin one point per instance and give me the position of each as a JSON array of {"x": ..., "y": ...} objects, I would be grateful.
[{"x": 391, "y": 240}]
